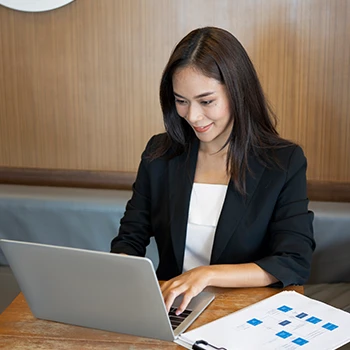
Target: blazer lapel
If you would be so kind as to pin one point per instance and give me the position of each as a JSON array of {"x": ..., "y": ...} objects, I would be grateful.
[
  {"x": 181, "y": 177},
  {"x": 234, "y": 207}
]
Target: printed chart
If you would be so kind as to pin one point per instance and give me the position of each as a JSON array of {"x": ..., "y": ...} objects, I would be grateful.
[{"x": 287, "y": 320}]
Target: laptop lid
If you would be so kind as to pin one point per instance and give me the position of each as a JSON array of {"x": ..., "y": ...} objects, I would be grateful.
[{"x": 95, "y": 289}]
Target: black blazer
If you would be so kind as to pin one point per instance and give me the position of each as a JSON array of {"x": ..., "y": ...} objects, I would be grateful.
[{"x": 271, "y": 226}]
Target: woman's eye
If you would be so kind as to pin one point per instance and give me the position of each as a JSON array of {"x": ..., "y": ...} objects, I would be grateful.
[
  {"x": 180, "y": 102},
  {"x": 206, "y": 103}
]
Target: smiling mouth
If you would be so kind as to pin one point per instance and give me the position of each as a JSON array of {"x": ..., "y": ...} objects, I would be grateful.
[{"x": 201, "y": 129}]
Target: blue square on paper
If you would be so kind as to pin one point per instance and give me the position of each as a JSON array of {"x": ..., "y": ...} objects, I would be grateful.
[
  {"x": 283, "y": 334},
  {"x": 284, "y": 308},
  {"x": 284, "y": 323},
  {"x": 302, "y": 315},
  {"x": 300, "y": 341},
  {"x": 330, "y": 326},
  {"x": 313, "y": 320},
  {"x": 254, "y": 322}
]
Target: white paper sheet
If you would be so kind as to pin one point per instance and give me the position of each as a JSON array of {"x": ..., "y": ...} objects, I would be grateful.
[{"x": 288, "y": 320}]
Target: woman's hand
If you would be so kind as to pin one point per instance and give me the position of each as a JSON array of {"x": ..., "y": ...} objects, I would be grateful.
[
  {"x": 192, "y": 282},
  {"x": 189, "y": 284}
]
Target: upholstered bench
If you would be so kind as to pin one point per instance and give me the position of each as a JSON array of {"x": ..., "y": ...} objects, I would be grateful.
[
  {"x": 330, "y": 268},
  {"x": 89, "y": 218}
]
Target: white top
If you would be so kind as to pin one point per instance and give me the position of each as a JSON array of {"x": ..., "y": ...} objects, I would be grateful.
[{"x": 205, "y": 207}]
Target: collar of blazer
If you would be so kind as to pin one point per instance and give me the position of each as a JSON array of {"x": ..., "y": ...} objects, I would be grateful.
[{"x": 181, "y": 176}]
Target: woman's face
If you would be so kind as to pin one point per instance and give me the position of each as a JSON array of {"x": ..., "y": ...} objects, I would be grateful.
[{"x": 204, "y": 104}]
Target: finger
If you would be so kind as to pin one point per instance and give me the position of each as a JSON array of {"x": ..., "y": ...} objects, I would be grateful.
[
  {"x": 165, "y": 285},
  {"x": 185, "y": 301},
  {"x": 169, "y": 298}
]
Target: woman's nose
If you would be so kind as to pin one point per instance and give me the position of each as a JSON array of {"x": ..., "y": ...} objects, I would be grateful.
[{"x": 194, "y": 114}]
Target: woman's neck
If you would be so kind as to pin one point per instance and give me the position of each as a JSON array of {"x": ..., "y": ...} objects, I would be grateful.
[
  {"x": 211, "y": 167},
  {"x": 210, "y": 150}
]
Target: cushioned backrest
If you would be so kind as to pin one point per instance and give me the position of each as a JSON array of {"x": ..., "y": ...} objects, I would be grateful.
[
  {"x": 331, "y": 259},
  {"x": 80, "y": 218},
  {"x": 89, "y": 218}
]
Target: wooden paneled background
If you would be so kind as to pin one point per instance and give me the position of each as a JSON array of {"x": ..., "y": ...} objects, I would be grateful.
[{"x": 79, "y": 85}]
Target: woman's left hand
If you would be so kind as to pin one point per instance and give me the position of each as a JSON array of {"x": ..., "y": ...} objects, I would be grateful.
[{"x": 188, "y": 284}]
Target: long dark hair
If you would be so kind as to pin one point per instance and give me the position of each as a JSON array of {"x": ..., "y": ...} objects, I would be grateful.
[{"x": 218, "y": 54}]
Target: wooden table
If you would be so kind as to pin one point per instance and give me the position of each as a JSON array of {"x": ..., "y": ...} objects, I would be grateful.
[{"x": 19, "y": 329}]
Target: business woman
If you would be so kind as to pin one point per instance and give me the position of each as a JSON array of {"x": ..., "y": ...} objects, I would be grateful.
[{"x": 224, "y": 196}]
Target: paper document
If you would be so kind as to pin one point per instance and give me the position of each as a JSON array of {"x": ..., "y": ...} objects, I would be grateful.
[{"x": 287, "y": 320}]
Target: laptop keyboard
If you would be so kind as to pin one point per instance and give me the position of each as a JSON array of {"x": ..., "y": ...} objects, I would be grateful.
[{"x": 176, "y": 320}]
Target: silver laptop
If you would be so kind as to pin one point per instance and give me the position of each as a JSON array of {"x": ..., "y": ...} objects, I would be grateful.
[{"x": 99, "y": 290}]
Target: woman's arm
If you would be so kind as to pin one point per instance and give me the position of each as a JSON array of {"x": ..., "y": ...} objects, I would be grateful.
[
  {"x": 192, "y": 282},
  {"x": 135, "y": 225},
  {"x": 290, "y": 232}
]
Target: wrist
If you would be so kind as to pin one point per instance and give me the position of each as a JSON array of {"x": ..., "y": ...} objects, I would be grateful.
[{"x": 209, "y": 274}]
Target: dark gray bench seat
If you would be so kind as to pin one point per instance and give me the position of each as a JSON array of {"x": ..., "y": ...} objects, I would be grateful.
[{"x": 89, "y": 219}]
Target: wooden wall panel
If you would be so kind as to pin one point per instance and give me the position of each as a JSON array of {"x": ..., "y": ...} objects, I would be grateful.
[{"x": 79, "y": 85}]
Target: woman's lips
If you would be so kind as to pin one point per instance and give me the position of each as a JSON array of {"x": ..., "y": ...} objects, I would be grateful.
[{"x": 201, "y": 129}]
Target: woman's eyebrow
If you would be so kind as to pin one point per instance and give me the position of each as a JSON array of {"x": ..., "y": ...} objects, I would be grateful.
[{"x": 204, "y": 94}]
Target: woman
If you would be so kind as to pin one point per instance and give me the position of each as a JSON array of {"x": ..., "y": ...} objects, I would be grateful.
[{"x": 224, "y": 196}]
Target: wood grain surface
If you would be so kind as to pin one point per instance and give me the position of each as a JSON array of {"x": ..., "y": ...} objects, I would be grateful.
[
  {"x": 19, "y": 329},
  {"x": 79, "y": 85}
]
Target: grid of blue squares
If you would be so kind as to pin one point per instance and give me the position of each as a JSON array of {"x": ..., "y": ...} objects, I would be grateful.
[{"x": 283, "y": 334}]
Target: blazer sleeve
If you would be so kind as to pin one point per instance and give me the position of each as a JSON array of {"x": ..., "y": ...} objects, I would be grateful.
[
  {"x": 290, "y": 232},
  {"x": 135, "y": 226}
]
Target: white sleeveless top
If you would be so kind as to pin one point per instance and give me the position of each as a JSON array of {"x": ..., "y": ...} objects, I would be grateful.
[{"x": 205, "y": 207}]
